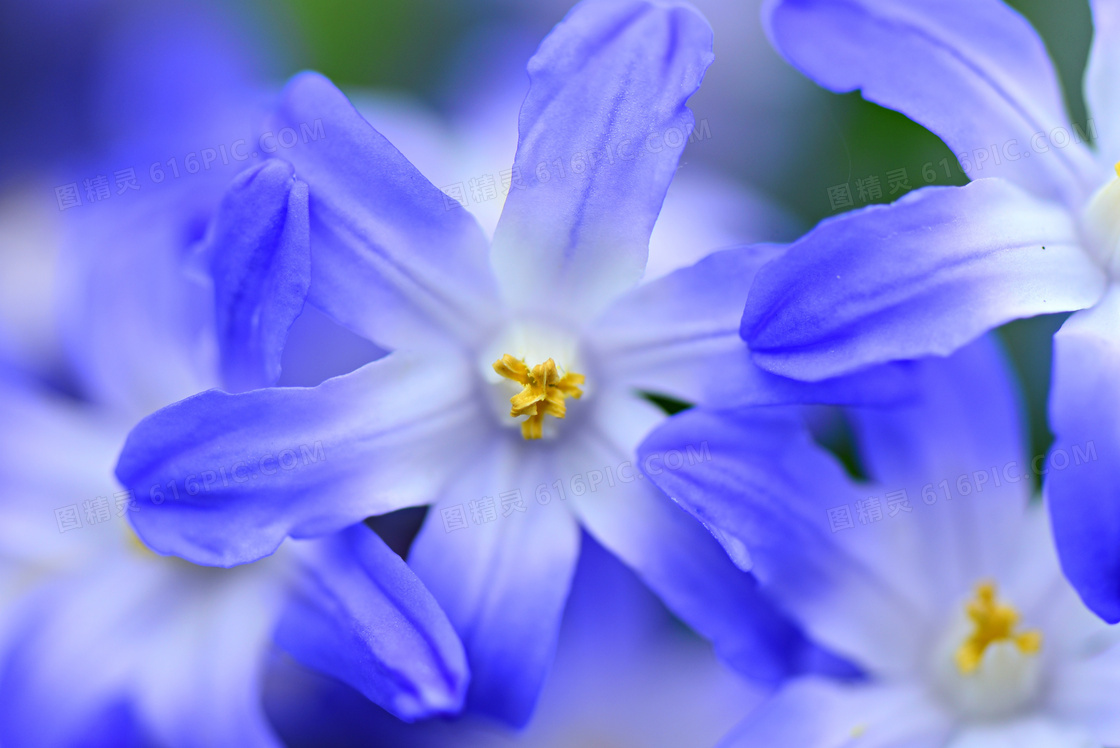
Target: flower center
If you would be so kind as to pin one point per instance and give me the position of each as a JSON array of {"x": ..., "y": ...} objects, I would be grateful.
[
  {"x": 992, "y": 622},
  {"x": 1100, "y": 225},
  {"x": 986, "y": 666},
  {"x": 544, "y": 390}
]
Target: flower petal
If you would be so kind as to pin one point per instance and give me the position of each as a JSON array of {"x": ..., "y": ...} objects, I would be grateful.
[
  {"x": 260, "y": 261},
  {"x": 960, "y": 444},
  {"x": 212, "y": 644},
  {"x": 1084, "y": 494},
  {"x": 973, "y": 72},
  {"x": 814, "y": 713},
  {"x": 765, "y": 494},
  {"x": 1101, "y": 97},
  {"x": 47, "y": 660},
  {"x": 679, "y": 336},
  {"x": 43, "y": 497},
  {"x": 922, "y": 276},
  {"x": 503, "y": 580},
  {"x": 680, "y": 560},
  {"x": 684, "y": 566},
  {"x": 601, "y": 132},
  {"x": 395, "y": 259},
  {"x": 182, "y": 647},
  {"x": 361, "y": 615},
  {"x": 223, "y": 479}
]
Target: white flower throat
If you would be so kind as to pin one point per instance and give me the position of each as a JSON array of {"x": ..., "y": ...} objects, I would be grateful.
[
  {"x": 988, "y": 667},
  {"x": 536, "y": 367},
  {"x": 1100, "y": 224}
]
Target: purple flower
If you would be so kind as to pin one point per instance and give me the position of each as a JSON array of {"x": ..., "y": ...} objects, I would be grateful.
[
  {"x": 1035, "y": 232},
  {"x": 513, "y": 399},
  {"x": 937, "y": 576}
]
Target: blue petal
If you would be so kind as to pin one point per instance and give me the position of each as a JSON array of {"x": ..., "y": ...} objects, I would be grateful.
[
  {"x": 223, "y": 479},
  {"x": 674, "y": 554},
  {"x": 686, "y": 567},
  {"x": 971, "y": 395},
  {"x": 260, "y": 262},
  {"x": 962, "y": 444},
  {"x": 765, "y": 493},
  {"x": 503, "y": 582},
  {"x": 395, "y": 259},
  {"x": 358, "y": 613},
  {"x": 1101, "y": 72},
  {"x": 679, "y": 336},
  {"x": 922, "y": 276},
  {"x": 211, "y": 643},
  {"x": 38, "y": 426},
  {"x": 601, "y": 132},
  {"x": 973, "y": 72},
  {"x": 1084, "y": 493}
]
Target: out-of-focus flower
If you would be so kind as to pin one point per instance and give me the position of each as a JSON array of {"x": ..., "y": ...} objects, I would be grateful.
[
  {"x": 514, "y": 386},
  {"x": 106, "y": 643},
  {"x": 1036, "y": 231},
  {"x": 102, "y": 642},
  {"x": 29, "y": 246},
  {"x": 938, "y": 577}
]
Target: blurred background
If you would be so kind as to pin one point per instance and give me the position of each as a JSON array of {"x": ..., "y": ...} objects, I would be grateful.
[{"x": 105, "y": 102}]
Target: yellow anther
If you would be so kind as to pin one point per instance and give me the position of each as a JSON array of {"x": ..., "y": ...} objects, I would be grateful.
[
  {"x": 992, "y": 621},
  {"x": 544, "y": 391},
  {"x": 1116, "y": 166}
]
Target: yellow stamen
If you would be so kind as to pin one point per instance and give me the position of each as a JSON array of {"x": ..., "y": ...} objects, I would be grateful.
[
  {"x": 992, "y": 622},
  {"x": 1117, "y": 168},
  {"x": 544, "y": 392}
]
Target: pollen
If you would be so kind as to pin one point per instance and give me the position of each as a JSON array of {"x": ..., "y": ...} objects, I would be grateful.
[
  {"x": 543, "y": 393},
  {"x": 992, "y": 621}
]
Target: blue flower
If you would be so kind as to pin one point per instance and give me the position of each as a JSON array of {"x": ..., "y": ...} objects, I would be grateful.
[
  {"x": 512, "y": 400},
  {"x": 1034, "y": 232},
  {"x": 937, "y": 577}
]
